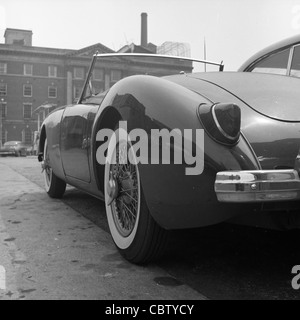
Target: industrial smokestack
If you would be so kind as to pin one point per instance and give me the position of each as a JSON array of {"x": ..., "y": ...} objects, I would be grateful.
[{"x": 144, "y": 30}]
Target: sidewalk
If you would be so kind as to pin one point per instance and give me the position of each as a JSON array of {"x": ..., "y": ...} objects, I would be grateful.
[{"x": 49, "y": 251}]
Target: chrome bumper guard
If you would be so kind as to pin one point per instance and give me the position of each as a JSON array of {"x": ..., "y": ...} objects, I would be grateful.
[{"x": 257, "y": 186}]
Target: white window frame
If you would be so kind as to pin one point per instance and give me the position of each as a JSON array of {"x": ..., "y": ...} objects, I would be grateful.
[
  {"x": 52, "y": 71},
  {"x": 4, "y": 135},
  {"x": 25, "y": 69},
  {"x": 24, "y": 136},
  {"x": 27, "y": 85},
  {"x": 3, "y": 106},
  {"x": 81, "y": 77},
  {"x": 102, "y": 75},
  {"x": 28, "y": 131},
  {"x": 3, "y": 68},
  {"x": 50, "y": 88},
  {"x": 113, "y": 79},
  {"x": 79, "y": 92},
  {"x": 27, "y": 105},
  {"x": 4, "y": 93}
]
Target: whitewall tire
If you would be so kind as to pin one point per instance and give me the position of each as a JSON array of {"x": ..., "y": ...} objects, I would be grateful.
[
  {"x": 135, "y": 233},
  {"x": 55, "y": 187}
]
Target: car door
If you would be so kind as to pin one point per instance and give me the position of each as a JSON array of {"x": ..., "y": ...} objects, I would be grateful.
[{"x": 76, "y": 129}]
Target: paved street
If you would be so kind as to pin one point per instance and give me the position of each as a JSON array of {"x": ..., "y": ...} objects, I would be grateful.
[
  {"x": 61, "y": 249},
  {"x": 50, "y": 251}
]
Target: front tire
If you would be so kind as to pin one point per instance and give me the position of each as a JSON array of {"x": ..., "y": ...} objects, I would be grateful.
[
  {"x": 135, "y": 233},
  {"x": 55, "y": 187}
]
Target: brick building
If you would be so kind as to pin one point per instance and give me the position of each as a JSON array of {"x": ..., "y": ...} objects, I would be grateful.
[{"x": 35, "y": 80}]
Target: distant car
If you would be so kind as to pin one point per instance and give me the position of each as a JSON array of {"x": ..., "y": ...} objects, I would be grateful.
[
  {"x": 13, "y": 148},
  {"x": 280, "y": 58}
]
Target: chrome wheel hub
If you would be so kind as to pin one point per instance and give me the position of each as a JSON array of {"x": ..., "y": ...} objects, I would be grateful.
[
  {"x": 122, "y": 192},
  {"x": 112, "y": 190}
]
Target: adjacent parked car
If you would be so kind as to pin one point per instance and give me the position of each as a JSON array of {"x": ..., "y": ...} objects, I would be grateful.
[
  {"x": 13, "y": 148},
  {"x": 280, "y": 58},
  {"x": 248, "y": 127}
]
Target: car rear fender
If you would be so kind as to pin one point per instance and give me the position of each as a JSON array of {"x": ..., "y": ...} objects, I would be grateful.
[{"x": 176, "y": 200}]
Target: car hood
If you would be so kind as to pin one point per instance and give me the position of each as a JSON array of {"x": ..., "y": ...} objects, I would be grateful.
[{"x": 275, "y": 96}]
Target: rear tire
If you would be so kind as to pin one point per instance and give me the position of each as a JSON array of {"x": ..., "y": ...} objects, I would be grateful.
[
  {"x": 55, "y": 187},
  {"x": 135, "y": 233}
]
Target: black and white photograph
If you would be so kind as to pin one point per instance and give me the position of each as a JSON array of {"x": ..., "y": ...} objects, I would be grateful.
[{"x": 149, "y": 152}]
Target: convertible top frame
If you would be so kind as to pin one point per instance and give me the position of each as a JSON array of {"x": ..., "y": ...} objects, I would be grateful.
[{"x": 145, "y": 55}]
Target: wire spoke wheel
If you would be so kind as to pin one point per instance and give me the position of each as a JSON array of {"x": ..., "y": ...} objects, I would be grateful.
[
  {"x": 55, "y": 187},
  {"x": 47, "y": 170},
  {"x": 126, "y": 206},
  {"x": 135, "y": 233}
]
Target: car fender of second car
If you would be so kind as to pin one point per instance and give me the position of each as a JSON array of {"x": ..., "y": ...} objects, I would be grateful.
[{"x": 175, "y": 200}]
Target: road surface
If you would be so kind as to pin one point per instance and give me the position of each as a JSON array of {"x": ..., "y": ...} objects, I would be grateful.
[{"x": 61, "y": 249}]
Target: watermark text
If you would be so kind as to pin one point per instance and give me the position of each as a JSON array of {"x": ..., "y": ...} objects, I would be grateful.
[{"x": 157, "y": 147}]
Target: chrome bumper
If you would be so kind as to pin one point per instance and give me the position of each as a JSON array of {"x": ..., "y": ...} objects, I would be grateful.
[{"x": 257, "y": 186}]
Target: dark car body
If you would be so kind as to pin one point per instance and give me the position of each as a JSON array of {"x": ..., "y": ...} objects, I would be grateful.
[
  {"x": 13, "y": 148},
  {"x": 268, "y": 140},
  {"x": 280, "y": 58}
]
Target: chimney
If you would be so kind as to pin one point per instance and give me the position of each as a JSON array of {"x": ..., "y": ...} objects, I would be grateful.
[
  {"x": 144, "y": 30},
  {"x": 18, "y": 37}
]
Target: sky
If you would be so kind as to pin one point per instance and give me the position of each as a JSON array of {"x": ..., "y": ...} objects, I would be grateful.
[{"x": 233, "y": 29}]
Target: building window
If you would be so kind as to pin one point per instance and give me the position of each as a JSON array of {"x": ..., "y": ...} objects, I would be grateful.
[
  {"x": 3, "y": 68},
  {"x": 77, "y": 92},
  {"x": 4, "y": 135},
  {"x": 27, "y": 136},
  {"x": 19, "y": 42},
  {"x": 3, "y": 89},
  {"x": 116, "y": 75},
  {"x": 3, "y": 109},
  {"x": 98, "y": 74},
  {"x": 28, "y": 69},
  {"x": 52, "y": 92},
  {"x": 27, "y": 90},
  {"x": 27, "y": 110},
  {"x": 52, "y": 71},
  {"x": 78, "y": 73}
]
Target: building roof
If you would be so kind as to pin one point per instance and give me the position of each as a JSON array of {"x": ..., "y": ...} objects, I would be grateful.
[
  {"x": 17, "y": 30},
  {"x": 133, "y": 48},
  {"x": 91, "y": 50},
  {"x": 87, "y": 51}
]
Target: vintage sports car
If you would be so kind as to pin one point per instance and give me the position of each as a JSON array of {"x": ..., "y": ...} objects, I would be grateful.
[
  {"x": 280, "y": 58},
  {"x": 250, "y": 126},
  {"x": 13, "y": 148}
]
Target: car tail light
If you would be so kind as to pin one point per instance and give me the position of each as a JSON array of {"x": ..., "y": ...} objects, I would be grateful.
[{"x": 222, "y": 121}]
